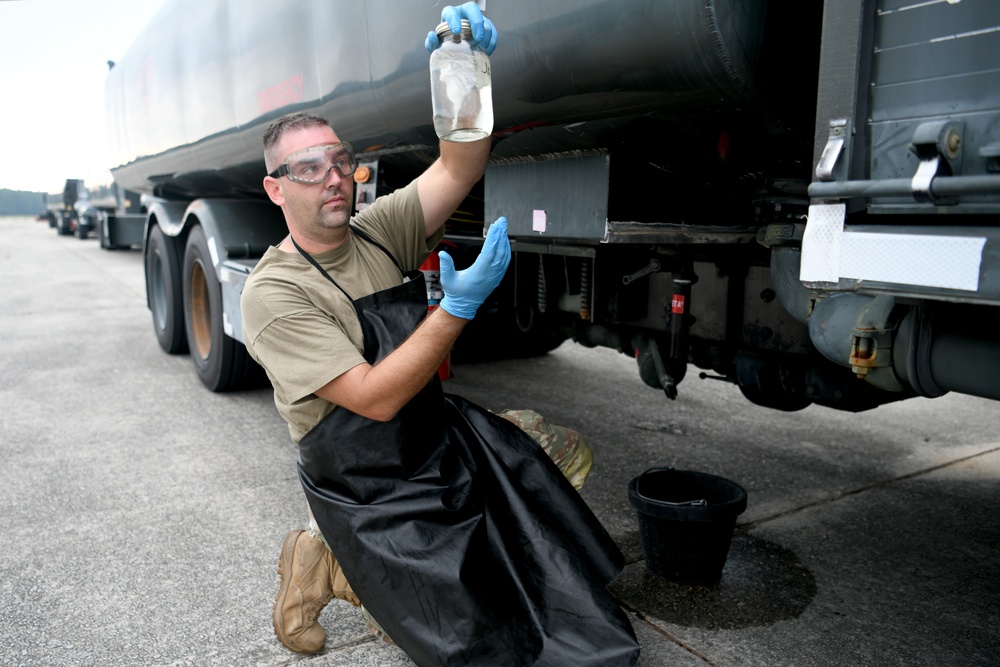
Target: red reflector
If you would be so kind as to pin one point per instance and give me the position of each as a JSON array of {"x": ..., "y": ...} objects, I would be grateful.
[{"x": 677, "y": 304}]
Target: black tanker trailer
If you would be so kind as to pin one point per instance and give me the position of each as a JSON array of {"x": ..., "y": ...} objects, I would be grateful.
[{"x": 798, "y": 197}]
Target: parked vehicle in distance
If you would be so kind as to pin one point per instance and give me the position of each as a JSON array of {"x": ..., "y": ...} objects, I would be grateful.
[
  {"x": 69, "y": 214},
  {"x": 50, "y": 214}
]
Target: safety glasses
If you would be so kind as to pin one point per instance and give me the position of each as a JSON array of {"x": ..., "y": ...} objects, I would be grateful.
[{"x": 312, "y": 165}]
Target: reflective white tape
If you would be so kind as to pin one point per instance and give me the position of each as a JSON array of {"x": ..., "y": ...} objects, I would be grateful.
[
  {"x": 821, "y": 243},
  {"x": 829, "y": 254},
  {"x": 933, "y": 261}
]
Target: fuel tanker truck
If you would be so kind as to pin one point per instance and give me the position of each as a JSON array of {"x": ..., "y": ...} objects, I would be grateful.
[{"x": 800, "y": 198}]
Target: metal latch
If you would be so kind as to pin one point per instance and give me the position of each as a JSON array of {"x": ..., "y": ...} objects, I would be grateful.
[
  {"x": 938, "y": 144},
  {"x": 834, "y": 147}
]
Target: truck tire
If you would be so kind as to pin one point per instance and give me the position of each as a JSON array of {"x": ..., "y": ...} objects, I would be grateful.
[
  {"x": 500, "y": 331},
  {"x": 221, "y": 362},
  {"x": 498, "y": 334},
  {"x": 163, "y": 291}
]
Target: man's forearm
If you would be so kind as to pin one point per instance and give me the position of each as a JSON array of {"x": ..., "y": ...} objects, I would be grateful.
[
  {"x": 379, "y": 392},
  {"x": 403, "y": 373},
  {"x": 447, "y": 182},
  {"x": 466, "y": 161}
]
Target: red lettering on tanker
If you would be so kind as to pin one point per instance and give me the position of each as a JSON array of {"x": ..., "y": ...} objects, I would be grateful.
[{"x": 280, "y": 94}]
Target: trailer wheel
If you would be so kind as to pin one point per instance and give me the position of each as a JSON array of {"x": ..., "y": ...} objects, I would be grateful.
[
  {"x": 498, "y": 333},
  {"x": 778, "y": 384},
  {"x": 163, "y": 291},
  {"x": 221, "y": 362}
]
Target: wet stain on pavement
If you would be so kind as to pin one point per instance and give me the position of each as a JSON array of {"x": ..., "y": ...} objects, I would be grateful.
[{"x": 762, "y": 583}]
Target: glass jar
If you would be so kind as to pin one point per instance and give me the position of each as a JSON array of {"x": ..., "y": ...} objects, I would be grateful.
[{"x": 461, "y": 89}]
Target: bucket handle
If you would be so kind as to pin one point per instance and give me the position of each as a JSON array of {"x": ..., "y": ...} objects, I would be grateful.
[{"x": 701, "y": 502}]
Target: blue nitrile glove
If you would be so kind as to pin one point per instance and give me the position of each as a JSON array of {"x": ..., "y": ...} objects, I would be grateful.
[
  {"x": 483, "y": 31},
  {"x": 465, "y": 291}
]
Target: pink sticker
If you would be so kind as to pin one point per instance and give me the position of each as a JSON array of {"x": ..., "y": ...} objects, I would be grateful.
[{"x": 538, "y": 221}]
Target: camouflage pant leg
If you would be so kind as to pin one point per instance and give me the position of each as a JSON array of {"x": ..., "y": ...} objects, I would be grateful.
[{"x": 569, "y": 450}]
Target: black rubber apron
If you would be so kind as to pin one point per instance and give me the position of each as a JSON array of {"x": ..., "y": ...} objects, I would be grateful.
[{"x": 455, "y": 529}]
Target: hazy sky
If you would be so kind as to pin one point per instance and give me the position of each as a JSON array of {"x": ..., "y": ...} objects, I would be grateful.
[{"x": 55, "y": 61}]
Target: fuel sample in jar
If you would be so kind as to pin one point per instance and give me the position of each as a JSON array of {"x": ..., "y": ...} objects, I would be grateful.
[{"x": 461, "y": 89}]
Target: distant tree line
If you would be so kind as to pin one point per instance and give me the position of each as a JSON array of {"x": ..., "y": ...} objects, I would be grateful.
[{"x": 19, "y": 202}]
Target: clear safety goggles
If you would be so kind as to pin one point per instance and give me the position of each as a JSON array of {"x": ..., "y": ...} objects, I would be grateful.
[{"x": 312, "y": 165}]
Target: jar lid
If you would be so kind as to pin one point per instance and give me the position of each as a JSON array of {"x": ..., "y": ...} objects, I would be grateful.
[{"x": 444, "y": 32}]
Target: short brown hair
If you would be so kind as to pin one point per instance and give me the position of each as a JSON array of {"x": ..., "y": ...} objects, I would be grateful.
[{"x": 298, "y": 120}]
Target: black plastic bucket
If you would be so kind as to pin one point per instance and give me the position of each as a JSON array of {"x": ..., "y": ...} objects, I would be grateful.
[{"x": 686, "y": 520}]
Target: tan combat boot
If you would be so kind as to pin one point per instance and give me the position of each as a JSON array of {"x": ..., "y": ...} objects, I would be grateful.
[{"x": 306, "y": 570}]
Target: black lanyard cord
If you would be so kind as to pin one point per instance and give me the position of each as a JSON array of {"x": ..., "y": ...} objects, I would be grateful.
[
  {"x": 319, "y": 268},
  {"x": 326, "y": 275}
]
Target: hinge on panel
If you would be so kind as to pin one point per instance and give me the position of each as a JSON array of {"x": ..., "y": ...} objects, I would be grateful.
[{"x": 938, "y": 145}]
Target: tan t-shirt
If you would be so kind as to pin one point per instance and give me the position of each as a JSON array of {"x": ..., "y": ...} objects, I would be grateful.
[{"x": 302, "y": 329}]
